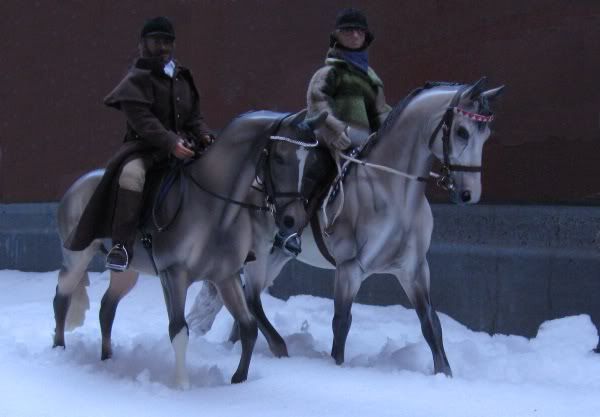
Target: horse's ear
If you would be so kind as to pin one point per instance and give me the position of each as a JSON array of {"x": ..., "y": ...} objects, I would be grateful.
[
  {"x": 316, "y": 121},
  {"x": 475, "y": 90},
  {"x": 493, "y": 93},
  {"x": 298, "y": 117}
]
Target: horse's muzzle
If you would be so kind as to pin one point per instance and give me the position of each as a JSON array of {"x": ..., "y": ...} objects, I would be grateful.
[{"x": 463, "y": 197}]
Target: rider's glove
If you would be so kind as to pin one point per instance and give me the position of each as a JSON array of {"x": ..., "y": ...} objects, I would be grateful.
[
  {"x": 206, "y": 140},
  {"x": 342, "y": 141}
]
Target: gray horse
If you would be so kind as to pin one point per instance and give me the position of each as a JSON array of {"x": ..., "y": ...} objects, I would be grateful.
[
  {"x": 385, "y": 222},
  {"x": 209, "y": 239}
]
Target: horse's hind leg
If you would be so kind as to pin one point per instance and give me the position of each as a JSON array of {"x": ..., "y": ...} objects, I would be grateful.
[
  {"x": 120, "y": 284},
  {"x": 72, "y": 279},
  {"x": 416, "y": 287},
  {"x": 175, "y": 283},
  {"x": 348, "y": 277},
  {"x": 233, "y": 297}
]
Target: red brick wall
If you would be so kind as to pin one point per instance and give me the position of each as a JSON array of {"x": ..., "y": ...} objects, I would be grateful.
[{"x": 61, "y": 58}]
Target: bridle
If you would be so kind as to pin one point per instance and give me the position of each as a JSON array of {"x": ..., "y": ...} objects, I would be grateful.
[
  {"x": 273, "y": 195},
  {"x": 444, "y": 179}
]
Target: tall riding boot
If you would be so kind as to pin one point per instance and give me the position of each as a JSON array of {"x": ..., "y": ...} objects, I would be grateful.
[{"x": 124, "y": 229}]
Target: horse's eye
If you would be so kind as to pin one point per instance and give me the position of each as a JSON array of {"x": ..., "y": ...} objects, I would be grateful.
[
  {"x": 462, "y": 133},
  {"x": 278, "y": 159}
]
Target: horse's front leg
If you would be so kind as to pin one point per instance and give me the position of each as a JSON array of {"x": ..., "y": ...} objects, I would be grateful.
[
  {"x": 120, "y": 284},
  {"x": 416, "y": 286},
  {"x": 233, "y": 297},
  {"x": 348, "y": 277},
  {"x": 258, "y": 276},
  {"x": 175, "y": 283},
  {"x": 276, "y": 343}
]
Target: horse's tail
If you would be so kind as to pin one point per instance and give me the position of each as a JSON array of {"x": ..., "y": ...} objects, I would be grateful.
[
  {"x": 73, "y": 277},
  {"x": 80, "y": 303},
  {"x": 206, "y": 306}
]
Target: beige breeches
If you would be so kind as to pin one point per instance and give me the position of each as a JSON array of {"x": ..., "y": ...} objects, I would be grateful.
[{"x": 133, "y": 174}]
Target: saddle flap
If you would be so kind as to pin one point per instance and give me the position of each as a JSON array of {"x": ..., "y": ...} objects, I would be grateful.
[{"x": 163, "y": 196}]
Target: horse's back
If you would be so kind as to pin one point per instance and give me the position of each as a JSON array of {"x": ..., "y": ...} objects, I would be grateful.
[{"x": 75, "y": 200}]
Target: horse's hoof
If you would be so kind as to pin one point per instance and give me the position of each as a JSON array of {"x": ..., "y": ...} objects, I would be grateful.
[
  {"x": 280, "y": 351},
  {"x": 445, "y": 370},
  {"x": 182, "y": 383},
  {"x": 338, "y": 360},
  {"x": 238, "y": 377},
  {"x": 337, "y": 357},
  {"x": 58, "y": 342},
  {"x": 284, "y": 354},
  {"x": 106, "y": 351}
]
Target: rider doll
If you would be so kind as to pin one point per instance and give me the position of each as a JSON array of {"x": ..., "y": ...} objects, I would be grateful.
[
  {"x": 350, "y": 92},
  {"x": 346, "y": 87},
  {"x": 161, "y": 105}
]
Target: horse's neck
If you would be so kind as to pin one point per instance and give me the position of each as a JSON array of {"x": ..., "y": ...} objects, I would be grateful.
[
  {"x": 404, "y": 145},
  {"x": 229, "y": 166}
]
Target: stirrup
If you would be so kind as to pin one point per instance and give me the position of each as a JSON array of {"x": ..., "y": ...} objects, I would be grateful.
[{"x": 117, "y": 258}]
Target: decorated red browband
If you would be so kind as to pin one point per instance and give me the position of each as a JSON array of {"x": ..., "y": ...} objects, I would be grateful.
[{"x": 474, "y": 116}]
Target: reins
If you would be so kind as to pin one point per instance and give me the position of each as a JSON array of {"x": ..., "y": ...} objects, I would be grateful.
[
  {"x": 228, "y": 200},
  {"x": 179, "y": 171},
  {"x": 444, "y": 179},
  {"x": 387, "y": 169},
  {"x": 269, "y": 207}
]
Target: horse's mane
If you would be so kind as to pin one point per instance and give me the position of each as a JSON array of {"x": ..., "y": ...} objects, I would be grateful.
[
  {"x": 401, "y": 105},
  {"x": 269, "y": 117},
  {"x": 254, "y": 114}
]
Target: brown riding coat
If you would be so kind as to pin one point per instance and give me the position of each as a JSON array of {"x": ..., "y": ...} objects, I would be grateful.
[{"x": 159, "y": 110}]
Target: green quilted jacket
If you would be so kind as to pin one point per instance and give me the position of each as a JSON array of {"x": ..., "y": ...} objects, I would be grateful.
[{"x": 350, "y": 96}]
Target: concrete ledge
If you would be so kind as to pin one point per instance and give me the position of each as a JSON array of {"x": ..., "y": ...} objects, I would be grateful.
[
  {"x": 501, "y": 269},
  {"x": 29, "y": 240}
]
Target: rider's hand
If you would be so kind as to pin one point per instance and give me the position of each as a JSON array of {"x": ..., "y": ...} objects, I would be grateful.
[
  {"x": 206, "y": 140},
  {"x": 342, "y": 142},
  {"x": 181, "y": 151}
]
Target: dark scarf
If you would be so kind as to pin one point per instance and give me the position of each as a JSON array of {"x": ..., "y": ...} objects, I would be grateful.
[{"x": 358, "y": 58}]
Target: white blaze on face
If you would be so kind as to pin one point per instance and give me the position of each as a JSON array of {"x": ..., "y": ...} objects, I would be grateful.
[{"x": 301, "y": 154}]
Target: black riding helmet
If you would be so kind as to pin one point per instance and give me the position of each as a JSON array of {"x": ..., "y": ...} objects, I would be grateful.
[
  {"x": 158, "y": 26},
  {"x": 355, "y": 19}
]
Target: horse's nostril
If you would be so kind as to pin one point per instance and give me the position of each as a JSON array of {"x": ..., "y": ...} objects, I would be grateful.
[
  {"x": 466, "y": 196},
  {"x": 288, "y": 222}
]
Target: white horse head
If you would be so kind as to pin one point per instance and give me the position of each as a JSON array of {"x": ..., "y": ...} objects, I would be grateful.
[{"x": 458, "y": 143}]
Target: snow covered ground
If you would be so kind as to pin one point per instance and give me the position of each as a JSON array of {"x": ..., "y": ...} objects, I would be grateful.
[{"x": 388, "y": 369}]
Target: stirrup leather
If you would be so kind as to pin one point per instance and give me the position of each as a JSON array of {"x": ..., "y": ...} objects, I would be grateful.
[{"x": 117, "y": 258}]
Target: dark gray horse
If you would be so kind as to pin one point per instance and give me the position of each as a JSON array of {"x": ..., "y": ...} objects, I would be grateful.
[
  {"x": 209, "y": 239},
  {"x": 385, "y": 221}
]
